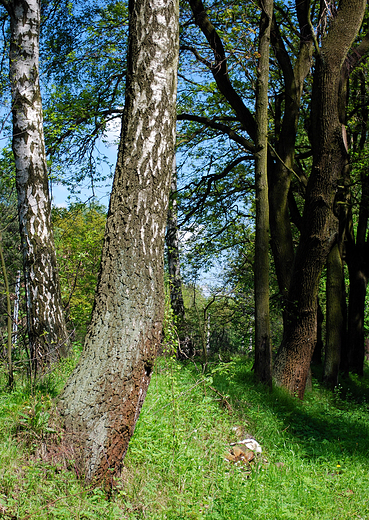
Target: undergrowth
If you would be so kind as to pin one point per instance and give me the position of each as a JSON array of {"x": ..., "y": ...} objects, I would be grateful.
[{"x": 314, "y": 463}]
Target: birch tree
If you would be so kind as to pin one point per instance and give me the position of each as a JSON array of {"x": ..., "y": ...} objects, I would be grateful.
[
  {"x": 48, "y": 338},
  {"x": 103, "y": 398}
]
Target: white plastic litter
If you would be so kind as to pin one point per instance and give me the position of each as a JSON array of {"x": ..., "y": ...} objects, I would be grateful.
[{"x": 250, "y": 444}]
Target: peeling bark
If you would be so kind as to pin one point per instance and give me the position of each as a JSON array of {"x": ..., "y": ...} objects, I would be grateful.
[
  {"x": 103, "y": 398},
  {"x": 47, "y": 332}
]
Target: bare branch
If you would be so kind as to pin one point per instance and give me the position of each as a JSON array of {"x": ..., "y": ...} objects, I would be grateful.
[
  {"x": 209, "y": 180},
  {"x": 211, "y": 123},
  {"x": 220, "y": 68}
]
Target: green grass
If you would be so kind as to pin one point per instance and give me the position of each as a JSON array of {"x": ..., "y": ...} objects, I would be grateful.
[{"x": 314, "y": 463}]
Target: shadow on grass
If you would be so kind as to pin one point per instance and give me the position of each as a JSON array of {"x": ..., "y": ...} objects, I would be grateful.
[{"x": 325, "y": 425}]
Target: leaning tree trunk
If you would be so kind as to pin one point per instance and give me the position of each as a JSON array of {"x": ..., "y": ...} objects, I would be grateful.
[
  {"x": 263, "y": 343},
  {"x": 47, "y": 332},
  {"x": 319, "y": 223},
  {"x": 103, "y": 398}
]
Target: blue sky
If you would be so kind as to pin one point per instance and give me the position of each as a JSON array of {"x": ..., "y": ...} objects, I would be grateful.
[{"x": 61, "y": 193}]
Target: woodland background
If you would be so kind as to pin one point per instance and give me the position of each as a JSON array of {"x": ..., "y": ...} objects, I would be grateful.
[{"x": 225, "y": 325}]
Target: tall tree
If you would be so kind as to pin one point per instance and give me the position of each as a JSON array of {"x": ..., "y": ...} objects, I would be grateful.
[
  {"x": 357, "y": 246},
  {"x": 172, "y": 241},
  {"x": 335, "y": 317},
  {"x": 103, "y": 398},
  {"x": 282, "y": 170},
  {"x": 263, "y": 345},
  {"x": 48, "y": 337},
  {"x": 320, "y": 226}
]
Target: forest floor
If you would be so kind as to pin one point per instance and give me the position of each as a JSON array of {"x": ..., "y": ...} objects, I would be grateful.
[{"x": 181, "y": 464}]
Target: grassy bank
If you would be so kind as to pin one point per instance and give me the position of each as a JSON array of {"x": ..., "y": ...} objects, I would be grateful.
[{"x": 314, "y": 463}]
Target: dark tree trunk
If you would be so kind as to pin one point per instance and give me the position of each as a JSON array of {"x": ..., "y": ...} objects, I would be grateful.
[
  {"x": 47, "y": 332},
  {"x": 358, "y": 274},
  {"x": 357, "y": 251},
  {"x": 263, "y": 343},
  {"x": 317, "y": 354},
  {"x": 172, "y": 240},
  {"x": 338, "y": 353},
  {"x": 103, "y": 398},
  {"x": 335, "y": 317},
  {"x": 281, "y": 171},
  {"x": 358, "y": 265},
  {"x": 320, "y": 226}
]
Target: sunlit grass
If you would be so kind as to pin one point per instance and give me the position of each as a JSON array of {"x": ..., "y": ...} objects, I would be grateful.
[{"x": 314, "y": 463}]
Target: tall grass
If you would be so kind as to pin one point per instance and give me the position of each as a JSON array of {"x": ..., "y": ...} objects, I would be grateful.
[{"x": 314, "y": 463}]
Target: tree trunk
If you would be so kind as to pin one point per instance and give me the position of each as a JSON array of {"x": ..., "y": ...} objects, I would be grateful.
[
  {"x": 358, "y": 285},
  {"x": 103, "y": 398},
  {"x": 172, "y": 239},
  {"x": 263, "y": 344},
  {"x": 8, "y": 317},
  {"x": 335, "y": 319},
  {"x": 47, "y": 332},
  {"x": 357, "y": 257},
  {"x": 174, "y": 268},
  {"x": 281, "y": 171},
  {"x": 319, "y": 223},
  {"x": 318, "y": 349}
]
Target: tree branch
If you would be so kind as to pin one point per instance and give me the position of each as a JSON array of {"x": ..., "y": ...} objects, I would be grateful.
[
  {"x": 220, "y": 68},
  {"x": 358, "y": 53},
  {"x": 211, "y": 123},
  {"x": 197, "y": 55},
  {"x": 73, "y": 124},
  {"x": 209, "y": 181},
  {"x": 281, "y": 53}
]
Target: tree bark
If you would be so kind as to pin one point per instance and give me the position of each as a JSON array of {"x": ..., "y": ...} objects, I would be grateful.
[
  {"x": 103, "y": 398},
  {"x": 335, "y": 317},
  {"x": 172, "y": 240},
  {"x": 318, "y": 349},
  {"x": 263, "y": 344},
  {"x": 358, "y": 274},
  {"x": 280, "y": 173},
  {"x": 358, "y": 264},
  {"x": 338, "y": 351},
  {"x": 319, "y": 223},
  {"x": 47, "y": 332}
]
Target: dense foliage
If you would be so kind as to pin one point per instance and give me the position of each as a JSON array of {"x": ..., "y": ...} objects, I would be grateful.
[{"x": 79, "y": 232}]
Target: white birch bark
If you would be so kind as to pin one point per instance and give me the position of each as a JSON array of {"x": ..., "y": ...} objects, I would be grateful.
[
  {"x": 103, "y": 398},
  {"x": 46, "y": 327}
]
